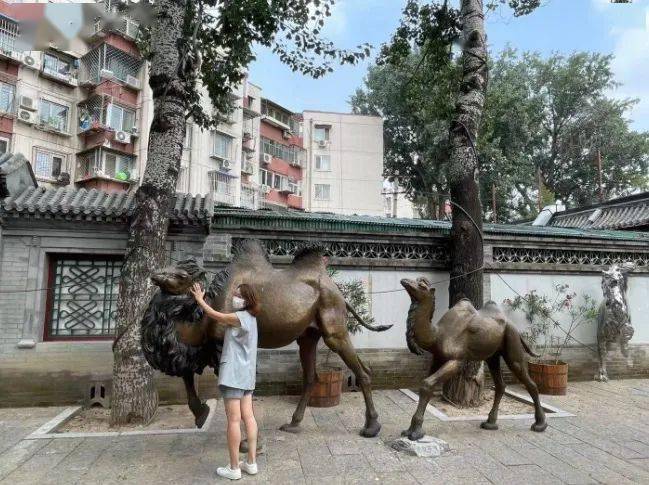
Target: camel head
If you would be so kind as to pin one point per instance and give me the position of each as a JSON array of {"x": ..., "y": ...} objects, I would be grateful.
[
  {"x": 177, "y": 279},
  {"x": 420, "y": 290}
]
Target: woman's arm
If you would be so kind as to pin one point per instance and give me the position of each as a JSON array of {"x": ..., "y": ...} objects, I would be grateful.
[{"x": 229, "y": 319}]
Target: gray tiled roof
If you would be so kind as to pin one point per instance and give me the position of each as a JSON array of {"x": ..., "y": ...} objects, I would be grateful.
[
  {"x": 95, "y": 205},
  {"x": 624, "y": 213}
]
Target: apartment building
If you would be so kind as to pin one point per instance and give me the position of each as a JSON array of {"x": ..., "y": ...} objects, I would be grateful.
[
  {"x": 81, "y": 115},
  {"x": 76, "y": 113},
  {"x": 344, "y": 170}
]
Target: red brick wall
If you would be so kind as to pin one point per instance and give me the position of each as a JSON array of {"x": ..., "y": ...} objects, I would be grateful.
[
  {"x": 122, "y": 44},
  {"x": 122, "y": 94}
]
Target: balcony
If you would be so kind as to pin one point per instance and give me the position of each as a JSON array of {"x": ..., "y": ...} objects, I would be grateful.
[
  {"x": 222, "y": 187},
  {"x": 248, "y": 167},
  {"x": 104, "y": 164},
  {"x": 8, "y": 36},
  {"x": 108, "y": 63},
  {"x": 250, "y": 197},
  {"x": 124, "y": 26}
]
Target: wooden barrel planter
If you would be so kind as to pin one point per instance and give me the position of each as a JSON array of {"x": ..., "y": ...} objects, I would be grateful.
[
  {"x": 327, "y": 389},
  {"x": 550, "y": 377}
]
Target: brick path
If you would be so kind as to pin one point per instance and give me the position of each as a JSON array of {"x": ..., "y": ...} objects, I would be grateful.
[{"x": 606, "y": 442}]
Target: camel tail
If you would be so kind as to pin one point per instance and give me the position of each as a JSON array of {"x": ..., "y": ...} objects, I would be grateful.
[
  {"x": 377, "y": 328},
  {"x": 527, "y": 348}
]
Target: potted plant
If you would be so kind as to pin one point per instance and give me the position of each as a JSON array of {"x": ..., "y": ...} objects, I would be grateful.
[
  {"x": 328, "y": 387},
  {"x": 542, "y": 314}
]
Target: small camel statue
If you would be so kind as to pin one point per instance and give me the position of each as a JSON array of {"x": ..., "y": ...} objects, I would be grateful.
[
  {"x": 464, "y": 334},
  {"x": 613, "y": 320},
  {"x": 299, "y": 302}
]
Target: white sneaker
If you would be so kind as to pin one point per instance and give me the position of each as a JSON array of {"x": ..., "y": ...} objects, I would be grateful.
[
  {"x": 249, "y": 468},
  {"x": 227, "y": 472}
]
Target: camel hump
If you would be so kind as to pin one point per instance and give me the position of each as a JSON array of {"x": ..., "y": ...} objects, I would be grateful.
[{"x": 309, "y": 253}]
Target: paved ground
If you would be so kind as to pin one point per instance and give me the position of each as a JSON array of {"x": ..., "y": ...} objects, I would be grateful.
[{"x": 607, "y": 442}]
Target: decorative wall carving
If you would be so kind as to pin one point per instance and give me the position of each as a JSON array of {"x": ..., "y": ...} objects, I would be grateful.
[
  {"x": 365, "y": 250},
  {"x": 568, "y": 256}
]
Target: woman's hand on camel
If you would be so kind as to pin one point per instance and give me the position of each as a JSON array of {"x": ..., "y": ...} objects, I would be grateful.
[{"x": 198, "y": 293}]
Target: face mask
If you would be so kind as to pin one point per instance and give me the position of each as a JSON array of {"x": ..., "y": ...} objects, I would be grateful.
[{"x": 238, "y": 303}]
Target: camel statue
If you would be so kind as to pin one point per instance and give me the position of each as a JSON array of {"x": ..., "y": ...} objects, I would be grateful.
[
  {"x": 464, "y": 334},
  {"x": 299, "y": 303},
  {"x": 613, "y": 320}
]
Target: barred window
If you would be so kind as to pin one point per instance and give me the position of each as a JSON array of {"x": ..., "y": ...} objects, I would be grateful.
[{"x": 82, "y": 299}]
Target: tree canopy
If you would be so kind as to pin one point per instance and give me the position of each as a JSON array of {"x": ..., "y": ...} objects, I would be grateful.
[{"x": 550, "y": 114}]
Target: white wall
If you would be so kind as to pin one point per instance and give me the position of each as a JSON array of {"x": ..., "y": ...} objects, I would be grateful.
[{"x": 637, "y": 299}]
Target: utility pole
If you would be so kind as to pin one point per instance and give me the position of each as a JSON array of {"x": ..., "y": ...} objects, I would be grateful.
[{"x": 599, "y": 176}]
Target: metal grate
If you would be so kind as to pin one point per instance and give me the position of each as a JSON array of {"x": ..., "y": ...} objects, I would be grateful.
[
  {"x": 84, "y": 297},
  {"x": 223, "y": 188},
  {"x": 8, "y": 35},
  {"x": 108, "y": 62}
]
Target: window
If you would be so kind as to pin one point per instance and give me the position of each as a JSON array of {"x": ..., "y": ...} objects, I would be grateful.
[
  {"x": 294, "y": 188},
  {"x": 82, "y": 299},
  {"x": 265, "y": 177},
  {"x": 277, "y": 181},
  {"x": 54, "y": 115},
  {"x": 222, "y": 147},
  {"x": 54, "y": 65},
  {"x": 290, "y": 154},
  {"x": 120, "y": 118},
  {"x": 47, "y": 164},
  {"x": 7, "y": 92},
  {"x": 276, "y": 113},
  {"x": 321, "y": 133},
  {"x": 118, "y": 166},
  {"x": 4, "y": 145},
  {"x": 323, "y": 192},
  {"x": 323, "y": 162}
]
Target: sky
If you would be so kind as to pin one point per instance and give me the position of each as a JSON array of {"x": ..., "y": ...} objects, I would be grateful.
[{"x": 563, "y": 26}]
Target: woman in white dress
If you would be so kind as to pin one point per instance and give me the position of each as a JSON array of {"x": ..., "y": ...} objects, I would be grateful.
[{"x": 237, "y": 373}]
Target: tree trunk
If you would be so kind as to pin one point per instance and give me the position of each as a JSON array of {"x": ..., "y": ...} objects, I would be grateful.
[
  {"x": 134, "y": 397},
  {"x": 467, "y": 252}
]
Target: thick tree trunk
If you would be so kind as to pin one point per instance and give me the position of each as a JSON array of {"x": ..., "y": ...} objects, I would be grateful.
[
  {"x": 467, "y": 252},
  {"x": 134, "y": 397}
]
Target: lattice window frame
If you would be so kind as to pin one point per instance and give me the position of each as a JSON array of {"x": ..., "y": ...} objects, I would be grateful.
[
  {"x": 570, "y": 257},
  {"x": 82, "y": 297},
  {"x": 353, "y": 250}
]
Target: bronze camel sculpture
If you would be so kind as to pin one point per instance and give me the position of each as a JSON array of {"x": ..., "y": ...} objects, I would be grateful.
[
  {"x": 464, "y": 333},
  {"x": 299, "y": 303}
]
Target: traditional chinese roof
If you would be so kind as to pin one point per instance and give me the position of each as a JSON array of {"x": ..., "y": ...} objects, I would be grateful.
[
  {"x": 319, "y": 222},
  {"x": 94, "y": 205},
  {"x": 630, "y": 212}
]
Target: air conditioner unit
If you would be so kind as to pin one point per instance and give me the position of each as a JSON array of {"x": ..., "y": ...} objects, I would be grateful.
[
  {"x": 226, "y": 164},
  {"x": 323, "y": 143},
  {"x": 267, "y": 158},
  {"x": 122, "y": 137},
  {"x": 133, "y": 81},
  {"x": 31, "y": 62},
  {"x": 27, "y": 116},
  {"x": 106, "y": 74},
  {"x": 28, "y": 102},
  {"x": 286, "y": 134},
  {"x": 265, "y": 189}
]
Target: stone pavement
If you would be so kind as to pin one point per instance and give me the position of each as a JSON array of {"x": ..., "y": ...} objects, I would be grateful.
[{"x": 606, "y": 442}]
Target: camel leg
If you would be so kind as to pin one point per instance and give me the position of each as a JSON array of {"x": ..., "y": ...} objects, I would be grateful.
[
  {"x": 519, "y": 369},
  {"x": 602, "y": 351},
  {"x": 494, "y": 368},
  {"x": 198, "y": 408},
  {"x": 308, "y": 343},
  {"x": 446, "y": 371},
  {"x": 342, "y": 345}
]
